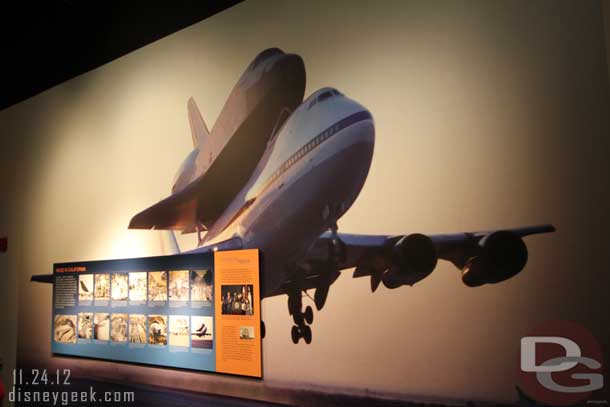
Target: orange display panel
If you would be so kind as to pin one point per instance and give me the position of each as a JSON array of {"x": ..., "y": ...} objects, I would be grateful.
[{"x": 238, "y": 313}]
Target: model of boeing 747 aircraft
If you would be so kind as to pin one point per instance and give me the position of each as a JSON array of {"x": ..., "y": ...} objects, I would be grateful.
[{"x": 277, "y": 172}]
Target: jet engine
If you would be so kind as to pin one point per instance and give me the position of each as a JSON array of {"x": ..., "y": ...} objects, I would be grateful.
[
  {"x": 501, "y": 255},
  {"x": 414, "y": 257}
]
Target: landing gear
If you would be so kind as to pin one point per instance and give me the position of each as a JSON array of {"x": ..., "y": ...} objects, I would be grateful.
[
  {"x": 302, "y": 320},
  {"x": 299, "y": 332},
  {"x": 308, "y": 314},
  {"x": 306, "y": 333},
  {"x": 296, "y": 334}
]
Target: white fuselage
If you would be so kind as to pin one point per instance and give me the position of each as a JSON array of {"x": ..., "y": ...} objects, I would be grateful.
[{"x": 311, "y": 173}]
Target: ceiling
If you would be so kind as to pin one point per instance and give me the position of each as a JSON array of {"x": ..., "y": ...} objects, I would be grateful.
[{"x": 46, "y": 43}]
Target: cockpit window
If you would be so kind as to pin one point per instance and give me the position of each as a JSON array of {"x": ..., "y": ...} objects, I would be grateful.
[{"x": 323, "y": 94}]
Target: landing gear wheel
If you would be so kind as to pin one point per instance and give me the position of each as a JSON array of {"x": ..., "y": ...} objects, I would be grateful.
[
  {"x": 296, "y": 334},
  {"x": 301, "y": 319},
  {"x": 308, "y": 314},
  {"x": 306, "y": 334}
]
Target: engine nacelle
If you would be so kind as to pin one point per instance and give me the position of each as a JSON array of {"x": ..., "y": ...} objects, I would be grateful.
[
  {"x": 502, "y": 256},
  {"x": 414, "y": 258}
]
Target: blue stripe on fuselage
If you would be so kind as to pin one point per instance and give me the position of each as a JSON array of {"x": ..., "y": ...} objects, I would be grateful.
[{"x": 316, "y": 141}]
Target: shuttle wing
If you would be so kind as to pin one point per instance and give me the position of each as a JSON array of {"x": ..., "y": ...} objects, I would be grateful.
[
  {"x": 176, "y": 212},
  {"x": 233, "y": 243}
]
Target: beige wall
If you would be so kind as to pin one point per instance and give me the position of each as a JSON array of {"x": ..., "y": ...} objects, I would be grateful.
[{"x": 488, "y": 114}]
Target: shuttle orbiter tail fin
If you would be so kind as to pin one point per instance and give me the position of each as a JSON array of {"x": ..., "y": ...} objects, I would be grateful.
[{"x": 199, "y": 131}]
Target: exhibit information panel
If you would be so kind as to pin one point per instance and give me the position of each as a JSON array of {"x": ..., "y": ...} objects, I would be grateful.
[{"x": 192, "y": 311}]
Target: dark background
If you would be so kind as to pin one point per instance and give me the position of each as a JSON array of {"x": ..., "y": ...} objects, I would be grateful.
[{"x": 46, "y": 43}]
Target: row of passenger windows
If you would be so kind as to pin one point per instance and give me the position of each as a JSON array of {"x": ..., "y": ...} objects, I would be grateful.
[{"x": 303, "y": 151}]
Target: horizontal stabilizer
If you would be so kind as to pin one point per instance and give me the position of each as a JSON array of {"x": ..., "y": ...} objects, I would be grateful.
[
  {"x": 177, "y": 212},
  {"x": 42, "y": 278}
]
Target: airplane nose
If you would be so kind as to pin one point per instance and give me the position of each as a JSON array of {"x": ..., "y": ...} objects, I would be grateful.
[
  {"x": 342, "y": 174},
  {"x": 362, "y": 130}
]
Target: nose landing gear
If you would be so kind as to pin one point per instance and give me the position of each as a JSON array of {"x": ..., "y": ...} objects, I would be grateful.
[{"x": 327, "y": 274}]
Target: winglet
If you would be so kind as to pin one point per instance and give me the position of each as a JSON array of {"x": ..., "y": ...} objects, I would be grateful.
[{"x": 199, "y": 131}]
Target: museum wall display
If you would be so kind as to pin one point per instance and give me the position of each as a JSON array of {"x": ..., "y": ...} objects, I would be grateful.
[
  {"x": 198, "y": 311},
  {"x": 426, "y": 181}
]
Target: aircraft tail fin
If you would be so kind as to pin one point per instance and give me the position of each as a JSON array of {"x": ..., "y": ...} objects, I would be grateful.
[{"x": 199, "y": 131}]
